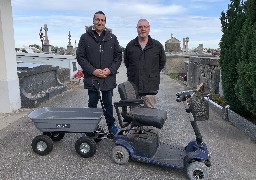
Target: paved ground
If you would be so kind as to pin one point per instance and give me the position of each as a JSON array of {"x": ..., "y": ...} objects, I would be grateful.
[{"x": 233, "y": 153}]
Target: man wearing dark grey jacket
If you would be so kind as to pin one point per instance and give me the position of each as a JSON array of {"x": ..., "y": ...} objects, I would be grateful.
[
  {"x": 100, "y": 56},
  {"x": 144, "y": 58}
]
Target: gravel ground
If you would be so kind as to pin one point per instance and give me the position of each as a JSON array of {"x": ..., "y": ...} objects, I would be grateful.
[{"x": 232, "y": 152}]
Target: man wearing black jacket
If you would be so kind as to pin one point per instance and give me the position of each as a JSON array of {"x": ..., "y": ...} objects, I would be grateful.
[
  {"x": 100, "y": 56},
  {"x": 144, "y": 58}
]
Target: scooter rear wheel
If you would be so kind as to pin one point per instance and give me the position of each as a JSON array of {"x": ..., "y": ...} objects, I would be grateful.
[
  {"x": 197, "y": 170},
  {"x": 120, "y": 155}
]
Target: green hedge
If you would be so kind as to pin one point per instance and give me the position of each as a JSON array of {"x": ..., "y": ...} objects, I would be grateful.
[{"x": 238, "y": 56}]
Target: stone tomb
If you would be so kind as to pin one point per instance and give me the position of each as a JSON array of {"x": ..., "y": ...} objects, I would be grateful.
[{"x": 38, "y": 83}]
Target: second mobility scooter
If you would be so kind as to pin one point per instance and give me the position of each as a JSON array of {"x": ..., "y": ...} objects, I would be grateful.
[{"x": 138, "y": 141}]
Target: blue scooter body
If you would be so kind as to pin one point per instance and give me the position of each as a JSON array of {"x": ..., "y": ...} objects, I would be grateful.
[{"x": 145, "y": 147}]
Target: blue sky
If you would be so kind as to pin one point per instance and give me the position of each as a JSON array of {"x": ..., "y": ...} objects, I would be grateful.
[{"x": 196, "y": 19}]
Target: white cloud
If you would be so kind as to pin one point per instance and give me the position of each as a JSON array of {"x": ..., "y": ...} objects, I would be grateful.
[
  {"x": 152, "y": 9},
  {"x": 182, "y": 18}
]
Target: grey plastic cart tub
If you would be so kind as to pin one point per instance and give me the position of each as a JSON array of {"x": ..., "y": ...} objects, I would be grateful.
[{"x": 50, "y": 119}]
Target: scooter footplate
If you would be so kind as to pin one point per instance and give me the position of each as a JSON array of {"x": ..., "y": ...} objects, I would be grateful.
[{"x": 169, "y": 155}]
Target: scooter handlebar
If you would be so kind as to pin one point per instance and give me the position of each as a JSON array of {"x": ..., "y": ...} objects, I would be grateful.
[{"x": 184, "y": 95}]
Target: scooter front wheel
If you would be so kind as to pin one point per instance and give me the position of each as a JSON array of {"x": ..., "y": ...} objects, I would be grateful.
[
  {"x": 197, "y": 170},
  {"x": 120, "y": 155}
]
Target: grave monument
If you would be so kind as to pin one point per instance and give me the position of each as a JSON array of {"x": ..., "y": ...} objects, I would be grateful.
[
  {"x": 185, "y": 44},
  {"x": 46, "y": 45},
  {"x": 69, "y": 46},
  {"x": 172, "y": 45}
]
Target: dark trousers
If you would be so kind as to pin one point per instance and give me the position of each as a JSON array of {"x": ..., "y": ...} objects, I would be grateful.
[{"x": 107, "y": 102}]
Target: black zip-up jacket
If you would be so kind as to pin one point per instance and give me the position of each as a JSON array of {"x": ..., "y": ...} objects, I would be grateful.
[
  {"x": 144, "y": 66},
  {"x": 99, "y": 53}
]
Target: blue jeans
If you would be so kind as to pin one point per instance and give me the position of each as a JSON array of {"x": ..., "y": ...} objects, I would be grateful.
[{"x": 107, "y": 103}]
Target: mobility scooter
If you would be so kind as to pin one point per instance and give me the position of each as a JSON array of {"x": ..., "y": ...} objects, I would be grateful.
[{"x": 138, "y": 138}]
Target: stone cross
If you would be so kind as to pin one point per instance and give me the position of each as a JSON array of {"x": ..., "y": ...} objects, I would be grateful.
[{"x": 69, "y": 38}]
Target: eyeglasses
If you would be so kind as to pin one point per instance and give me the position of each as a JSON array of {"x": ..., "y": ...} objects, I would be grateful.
[
  {"x": 143, "y": 27},
  {"x": 98, "y": 20}
]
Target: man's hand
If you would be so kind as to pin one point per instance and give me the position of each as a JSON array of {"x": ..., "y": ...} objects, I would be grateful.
[
  {"x": 98, "y": 73},
  {"x": 106, "y": 72},
  {"x": 101, "y": 73}
]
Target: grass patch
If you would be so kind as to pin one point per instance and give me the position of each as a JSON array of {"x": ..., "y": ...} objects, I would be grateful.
[
  {"x": 218, "y": 99},
  {"x": 174, "y": 75}
]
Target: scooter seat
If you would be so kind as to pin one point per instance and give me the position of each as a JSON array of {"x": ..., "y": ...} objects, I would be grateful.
[{"x": 149, "y": 116}]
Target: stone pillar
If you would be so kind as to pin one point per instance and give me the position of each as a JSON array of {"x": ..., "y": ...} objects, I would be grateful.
[
  {"x": 74, "y": 49},
  {"x": 184, "y": 44},
  {"x": 47, "y": 48},
  {"x": 9, "y": 82},
  {"x": 187, "y": 40},
  {"x": 69, "y": 50}
]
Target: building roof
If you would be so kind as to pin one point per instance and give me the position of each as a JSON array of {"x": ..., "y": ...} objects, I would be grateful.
[{"x": 173, "y": 40}]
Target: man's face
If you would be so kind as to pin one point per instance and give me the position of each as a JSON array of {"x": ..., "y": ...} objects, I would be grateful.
[
  {"x": 99, "y": 22},
  {"x": 143, "y": 29}
]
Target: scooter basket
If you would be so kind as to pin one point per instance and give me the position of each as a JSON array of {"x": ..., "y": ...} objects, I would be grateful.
[{"x": 199, "y": 107}]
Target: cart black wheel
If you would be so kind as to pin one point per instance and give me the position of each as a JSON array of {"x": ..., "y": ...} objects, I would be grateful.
[
  {"x": 197, "y": 170},
  {"x": 55, "y": 136},
  {"x": 85, "y": 147},
  {"x": 42, "y": 145},
  {"x": 120, "y": 155}
]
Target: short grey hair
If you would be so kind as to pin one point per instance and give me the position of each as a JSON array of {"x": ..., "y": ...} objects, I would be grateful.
[{"x": 140, "y": 20}]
